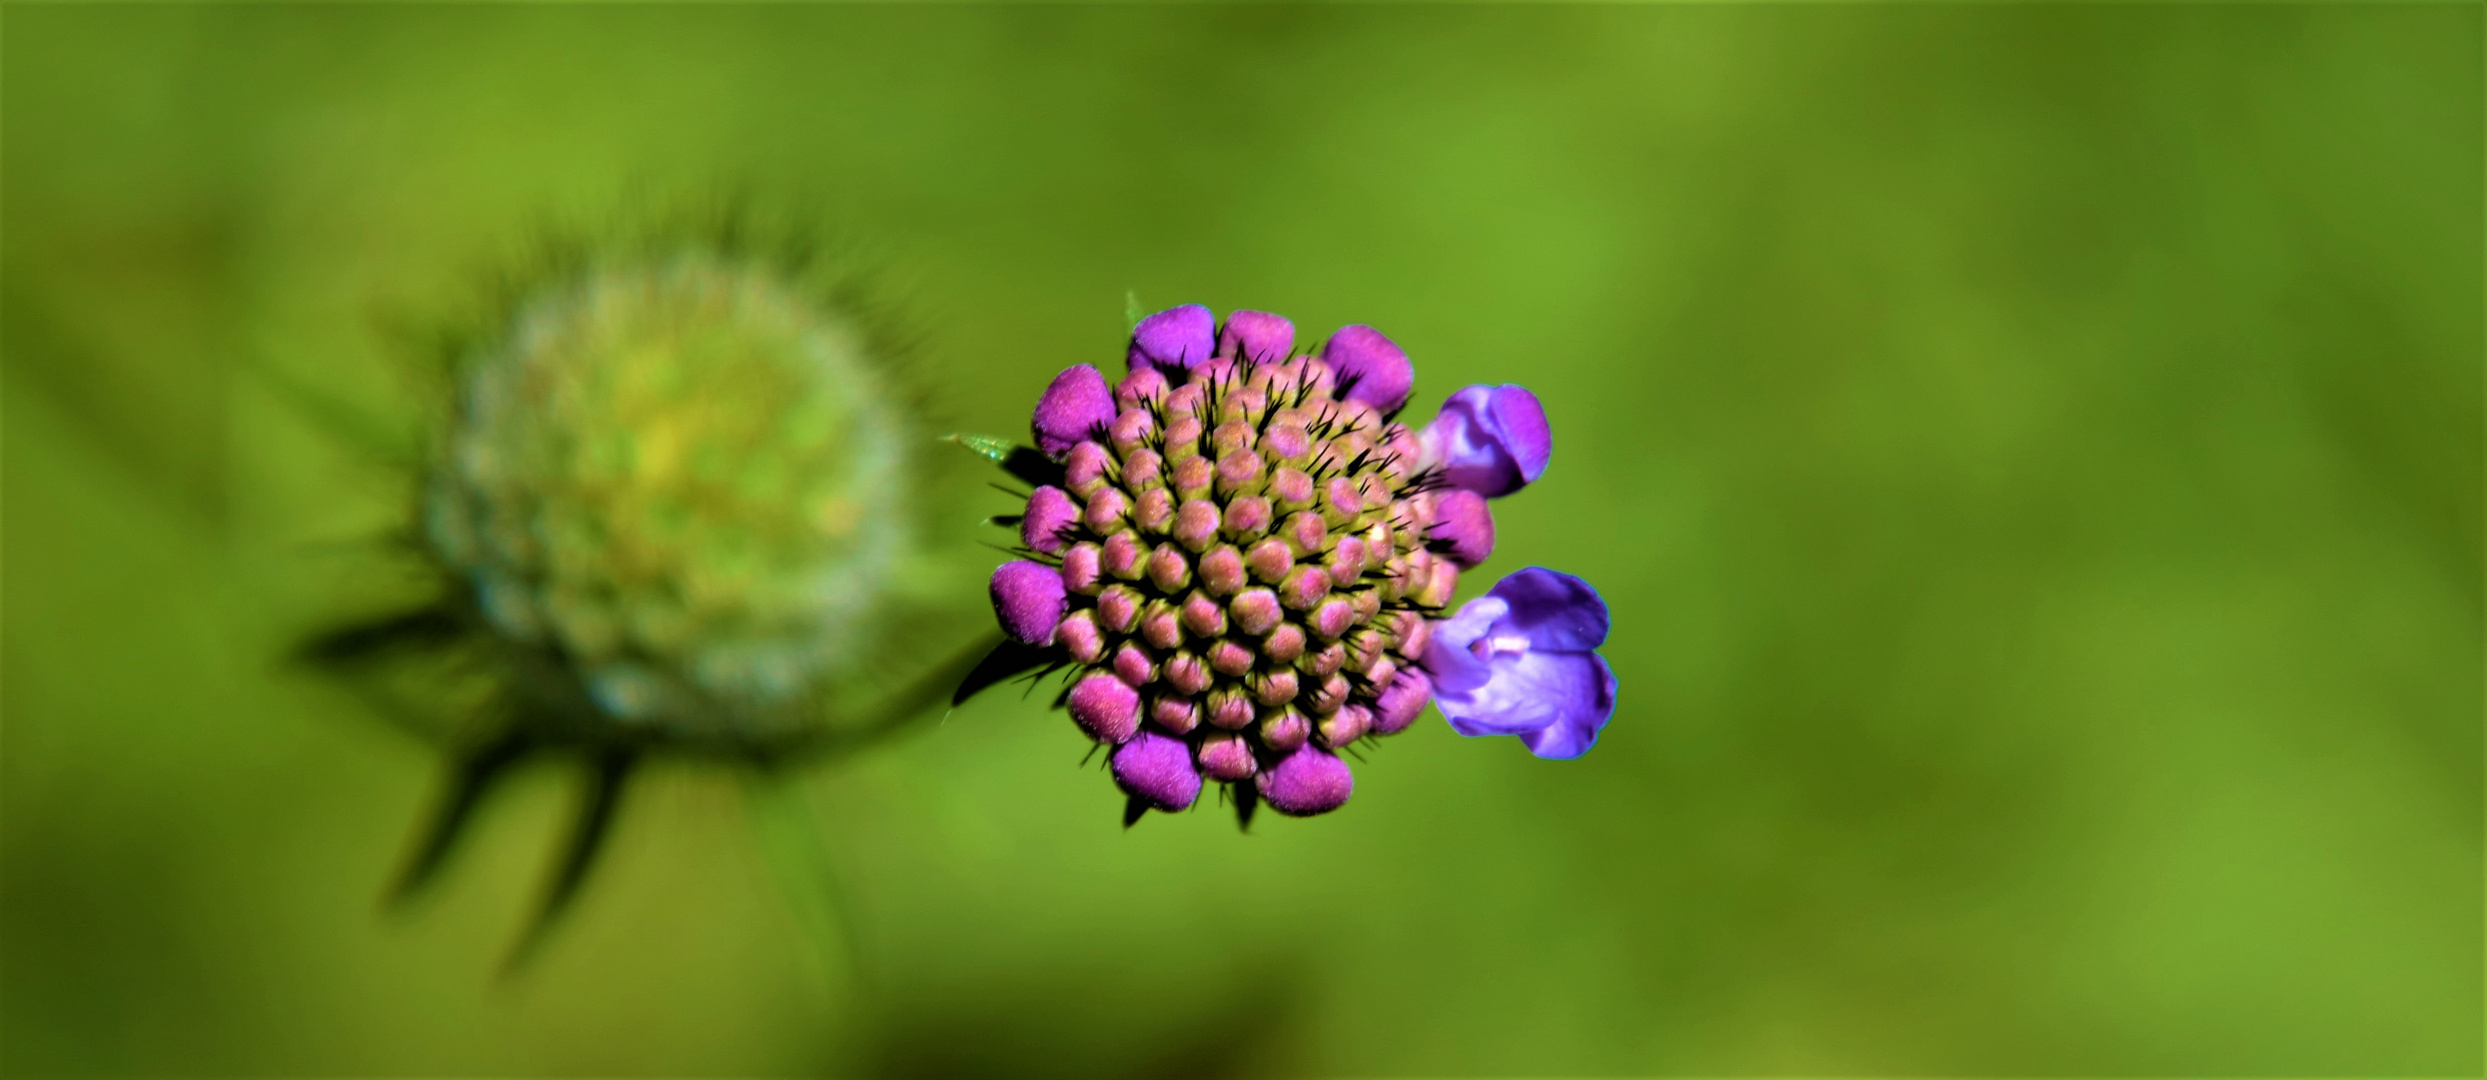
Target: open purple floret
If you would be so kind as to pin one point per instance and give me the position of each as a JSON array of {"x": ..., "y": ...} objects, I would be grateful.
[{"x": 1521, "y": 660}]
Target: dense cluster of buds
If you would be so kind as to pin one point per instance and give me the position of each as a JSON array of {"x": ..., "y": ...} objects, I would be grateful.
[{"x": 1243, "y": 556}]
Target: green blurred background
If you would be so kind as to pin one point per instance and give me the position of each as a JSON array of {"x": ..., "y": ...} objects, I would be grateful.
[{"x": 2033, "y": 456}]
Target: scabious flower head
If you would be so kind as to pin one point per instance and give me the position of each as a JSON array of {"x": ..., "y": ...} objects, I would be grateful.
[
  {"x": 1242, "y": 557},
  {"x": 661, "y": 510},
  {"x": 684, "y": 479}
]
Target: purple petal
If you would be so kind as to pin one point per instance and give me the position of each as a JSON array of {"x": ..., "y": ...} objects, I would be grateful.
[
  {"x": 1158, "y": 769},
  {"x": 1552, "y": 609},
  {"x": 1177, "y": 338},
  {"x": 1449, "y": 654},
  {"x": 1373, "y": 368},
  {"x": 1029, "y": 600},
  {"x": 1075, "y": 405},
  {"x": 1532, "y": 690},
  {"x": 1573, "y": 736},
  {"x": 1462, "y": 520},
  {"x": 1257, "y": 336},
  {"x": 1307, "y": 782},
  {"x": 1046, "y": 526},
  {"x": 1492, "y": 440}
]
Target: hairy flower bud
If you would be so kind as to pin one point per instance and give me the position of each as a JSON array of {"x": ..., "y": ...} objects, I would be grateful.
[{"x": 681, "y": 481}]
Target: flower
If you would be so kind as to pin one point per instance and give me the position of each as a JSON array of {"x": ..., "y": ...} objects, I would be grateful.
[
  {"x": 1492, "y": 440},
  {"x": 1520, "y": 660},
  {"x": 1242, "y": 558},
  {"x": 670, "y": 488}
]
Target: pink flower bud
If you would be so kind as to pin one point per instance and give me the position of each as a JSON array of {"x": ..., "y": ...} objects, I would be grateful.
[
  {"x": 1284, "y": 730},
  {"x": 1204, "y": 617},
  {"x": 1047, "y": 525},
  {"x": 1139, "y": 388},
  {"x": 1285, "y": 644},
  {"x": 1118, "y": 608},
  {"x": 1161, "y": 625},
  {"x": 1238, "y": 470},
  {"x": 1169, "y": 570},
  {"x": 1248, "y": 517},
  {"x": 1122, "y": 556},
  {"x": 1081, "y": 638},
  {"x": 1401, "y": 702},
  {"x": 1305, "y": 588},
  {"x": 1132, "y": 664},
  {"x": 1273, "y": 687},
  {"x": 1229, "y": 658},
  {"x": 1028, "y": 600},
  {"x": 1157, "y": 770},
  {"x": 1081, "y": 569},
  {"x": 1345, "y": 726},
  {"x": 1186, "y": 673},
  {"x": 1222, "y": 571},
  {"x": 1255, "y": 611},
  {"x": 1291, "y": 489},
  {"x": 1132, "y": 428},
  {"x": 1306, "y": 782},
  {"x": 1332, "y": 618},
  {"x": 1154, "y": 510},
  {"x": 1225, "y": 755},
  {"x": 1086, "y": 469},
  {"x": 1175, "y": 713},
  {"x": 1270, "y": 560},
  {"x": 1196, "y": 524},
  {"x": 1106, "y": 706},
  {"x": 1230, "y": 709}
]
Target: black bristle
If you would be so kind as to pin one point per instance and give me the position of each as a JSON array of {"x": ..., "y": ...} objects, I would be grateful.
[
  {"x": 422, "y": 628},
  {"x": 1033, "y": 467},
  {"x": 1009, "y": 658},
  {"x": 1247, "y": 799},
  {"x": 1134, "y": 808}
]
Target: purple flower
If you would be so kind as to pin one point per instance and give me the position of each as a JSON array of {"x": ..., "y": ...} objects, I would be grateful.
[
  {"x": 1174, "y": 340},
  {"x": 1029, "y": 600},
  {"x": 1372, "y": 367},
  {"x": 1257, "y": 336},
  {"x": 1242, "y": 559},
  {"x": 1076, "y": 404},
  {"x": 1492, "y": 440},
  {"x": 1519, "y": 661}
]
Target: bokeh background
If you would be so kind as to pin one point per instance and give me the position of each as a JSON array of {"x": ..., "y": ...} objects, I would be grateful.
[{"x": 2033, "y": 456}]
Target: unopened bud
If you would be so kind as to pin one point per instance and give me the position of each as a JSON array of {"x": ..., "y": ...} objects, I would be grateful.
[
  {"x": 1106, "y": 706},
  {"x": 1222, "y": 571},
  {"x": 1255, "y": 611},
  {"x": 1270, "y": 560},
  {"x": 1225, "y": 755},
  {"x": 1175, "y": 713},
  {"x": 1081, "y": 568},
  {"x": 1284, "y": 730}
]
